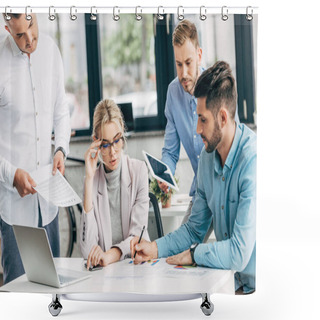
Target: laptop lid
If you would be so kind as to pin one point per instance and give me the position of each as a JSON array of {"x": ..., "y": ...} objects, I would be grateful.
[{"x": 36, "y": 255}]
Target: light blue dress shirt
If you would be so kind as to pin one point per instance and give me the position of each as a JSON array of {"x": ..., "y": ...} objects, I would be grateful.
[
  {"x": 182, "y": 118},
  {"x": 227, "y": 196}
]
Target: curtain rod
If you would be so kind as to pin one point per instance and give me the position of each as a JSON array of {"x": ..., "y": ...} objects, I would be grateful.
[{"x": 160, "y": 10}]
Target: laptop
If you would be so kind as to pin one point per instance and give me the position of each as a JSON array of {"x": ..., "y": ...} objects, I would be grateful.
[{"x": 37, "y": 259}]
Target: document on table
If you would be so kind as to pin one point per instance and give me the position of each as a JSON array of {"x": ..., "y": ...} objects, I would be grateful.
[
  {"x": 126, "y": 269},
  {"x": 54, "y": 189}
]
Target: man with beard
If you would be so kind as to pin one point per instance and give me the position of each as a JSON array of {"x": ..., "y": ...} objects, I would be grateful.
[
  {"x": 181, "y": 106},
  {"x": 226, "y": 189}
]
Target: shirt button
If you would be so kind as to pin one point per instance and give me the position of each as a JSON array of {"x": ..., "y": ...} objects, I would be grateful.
[
  {"x": 222, "y": 207},
  {"x": 225, "y": 234},
  {"x": 34, "y": 89},
  {"x": 38, "y": 139},
  {"x": 223, "y": 178},
  {"x": 194, "y": 136},
  {"x": 36, "y": 113},
  {"x": 38, "y": 163},
  {"x": 198, "y": 156}
]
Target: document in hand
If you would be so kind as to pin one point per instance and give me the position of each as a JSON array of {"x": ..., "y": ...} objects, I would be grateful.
[{"x": 54, "y": 189}]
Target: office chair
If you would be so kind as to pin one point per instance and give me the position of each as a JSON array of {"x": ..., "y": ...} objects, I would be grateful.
[{"x": 155, "y": 229}]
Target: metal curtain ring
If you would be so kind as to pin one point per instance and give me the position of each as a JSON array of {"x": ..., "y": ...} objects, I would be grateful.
[
  {"x": 28, "y": 16},
  {"x": 73, "y": 16},
  {"x": 52, "y": 16},
  {"x": 224, "y": 13},
  {"x": 249, "y": 16},
  {"x": 203, "y": 15},
  {"x": 180, "y": 15},
  {"x": 159, "y": 15},
  {"x": 93, "y": 16},
  {"x": 7, "y": 17},
  {"x": 138, "y": 16},
  {"x": 116, "y": 17}
]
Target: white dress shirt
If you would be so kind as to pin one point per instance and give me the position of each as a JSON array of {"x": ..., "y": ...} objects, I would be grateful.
[{"x": 32, "y": 105}]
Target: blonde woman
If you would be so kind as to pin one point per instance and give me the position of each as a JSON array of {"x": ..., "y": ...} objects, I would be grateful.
[{"x": 116, "y": 200}]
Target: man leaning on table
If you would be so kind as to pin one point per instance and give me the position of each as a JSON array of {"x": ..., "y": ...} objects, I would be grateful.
[
  {"x": 181, "y": 104},
  {"x": 32, "y": 104},
  {"x": 226, "y": 189}
]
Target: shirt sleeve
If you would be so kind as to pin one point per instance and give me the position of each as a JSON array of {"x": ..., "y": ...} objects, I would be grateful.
[
  {"x": 191, "y": 232},
  {"x": 235, "y": 253},
  {"x": 171, "y": 149},
  {"x": 61, "y": 116},
  {"x": 7, "y": 172}
]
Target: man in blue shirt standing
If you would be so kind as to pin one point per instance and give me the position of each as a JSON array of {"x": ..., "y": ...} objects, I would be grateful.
[
  {"x": 226, "y": 189},
  {"x": 181, "y": 104}
]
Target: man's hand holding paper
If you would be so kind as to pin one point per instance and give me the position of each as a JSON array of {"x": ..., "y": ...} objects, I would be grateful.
[
  {"x": 24, "y": 183},
  {"x": 54, "y": 188}
]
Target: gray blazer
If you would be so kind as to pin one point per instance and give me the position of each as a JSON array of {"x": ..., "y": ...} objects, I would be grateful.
[{"x": 96, "y": 224}]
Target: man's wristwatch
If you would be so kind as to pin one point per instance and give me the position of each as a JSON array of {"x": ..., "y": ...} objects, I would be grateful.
[
  {"x": 192, "y": 250},
  {"x": 63, "y": 151}
]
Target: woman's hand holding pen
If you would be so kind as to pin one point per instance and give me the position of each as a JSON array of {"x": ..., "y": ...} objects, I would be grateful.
[{"x": 143, "y": 251}]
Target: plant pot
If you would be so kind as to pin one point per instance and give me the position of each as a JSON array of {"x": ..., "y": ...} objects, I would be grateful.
[{"x": 167, "y": 204}]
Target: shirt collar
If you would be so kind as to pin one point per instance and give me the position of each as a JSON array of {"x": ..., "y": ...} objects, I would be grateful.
[
  {"x": 234, "y": 147},
  {"x": 15, "y": 49},
  {"x": 232, "y": 153}
]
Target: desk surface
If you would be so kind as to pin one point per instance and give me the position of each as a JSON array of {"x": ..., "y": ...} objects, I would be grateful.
[
  {"x": 123, "y": 277},
  {"x": 179, "y": 206}
]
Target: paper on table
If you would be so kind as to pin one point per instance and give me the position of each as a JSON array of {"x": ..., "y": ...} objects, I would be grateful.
[
  {"x": 126, "y": 269},
  {"x": 54, "y": 189}
]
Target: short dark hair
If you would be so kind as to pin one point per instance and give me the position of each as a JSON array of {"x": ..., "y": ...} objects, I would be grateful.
[{"x": 218, "y": 85}]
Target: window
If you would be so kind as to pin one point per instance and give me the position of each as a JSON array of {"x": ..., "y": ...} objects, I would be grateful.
[
  {"x": 133, "y": 62},
  {"x": 70, "y": 39},
  {"x": 128, "y": 62}
]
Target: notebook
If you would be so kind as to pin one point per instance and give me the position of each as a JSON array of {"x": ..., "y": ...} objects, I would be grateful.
[{"x": 38, "y": 261}]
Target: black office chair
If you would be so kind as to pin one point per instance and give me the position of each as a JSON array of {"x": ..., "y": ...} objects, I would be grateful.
[{"x": 155, "y": 229}]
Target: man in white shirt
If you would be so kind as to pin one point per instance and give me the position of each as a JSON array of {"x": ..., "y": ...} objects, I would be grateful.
[{"x": 32, "y": 105}]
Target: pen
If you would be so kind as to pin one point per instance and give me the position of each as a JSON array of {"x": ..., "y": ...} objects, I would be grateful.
[{"x": 139, "y": 240}]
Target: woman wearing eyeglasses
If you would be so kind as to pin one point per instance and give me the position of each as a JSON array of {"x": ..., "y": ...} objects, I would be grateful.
[{"x": 116, "y": 199}]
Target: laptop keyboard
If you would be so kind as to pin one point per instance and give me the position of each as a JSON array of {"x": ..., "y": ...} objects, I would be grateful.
[{"x": 65, "y": 279}]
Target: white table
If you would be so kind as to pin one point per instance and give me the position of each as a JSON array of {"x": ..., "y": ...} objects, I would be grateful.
[{"x": 139, "y": 283}]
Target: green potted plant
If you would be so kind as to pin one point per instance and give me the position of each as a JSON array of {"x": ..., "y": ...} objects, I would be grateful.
[{"x": 164, "y": 198}]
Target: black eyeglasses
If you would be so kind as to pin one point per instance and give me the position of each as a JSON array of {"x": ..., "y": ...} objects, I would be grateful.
[{"x": 115, "y": 144}]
